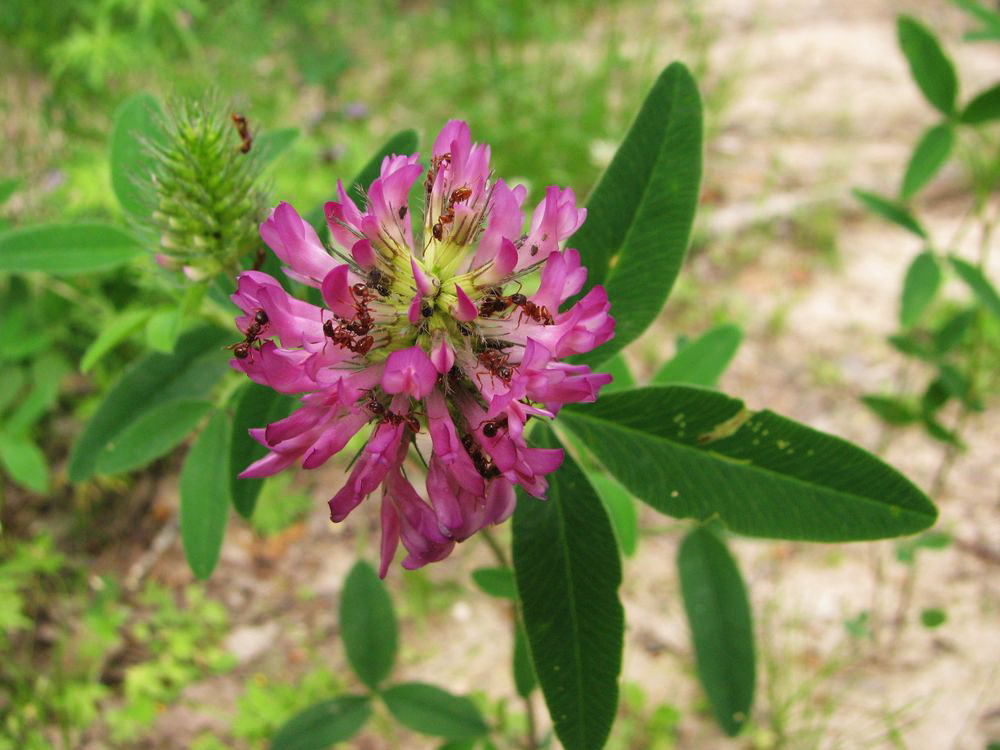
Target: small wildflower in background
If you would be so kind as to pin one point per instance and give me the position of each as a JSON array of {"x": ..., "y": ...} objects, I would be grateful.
[{"x": 429, "y": 333}]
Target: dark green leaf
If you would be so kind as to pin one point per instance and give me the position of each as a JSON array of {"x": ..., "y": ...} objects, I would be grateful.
[
  {"x": 568, "y": 572},
  {"x": 640, "y": 214},
  {"x": 7, "y": 188},
  {"x": 985, "y": 292},
  {"x": 205, "y": 497},
  {"x": 930, "y": 67},
  {"x": 10, "y": 385},
  {"x": 323, "y": 724},
  {"x": 892, "y": 410},
  {"x": 694, "y": 453},
  {"x": 138, "y": 119},
  {"x": 67, "y": 248},
  {"x": 267, "y": 146},
  {"x": 934, "y": 397},
  {"x": 113, "y": 333},
  {"x": 941, "y": 433},
  {"x": 24, "y": 462},
  {"x": 618, "y": 368},
  {"x": 702, "y": 361},
  {"x": 498, "y": 582},
  {"x": 524, "y": 673},
  {"x": 430, "y": 710},
  {"x": 984, "y": 107},
  {"x": 256, "y": 406},
  {"x": 890, "y": 211},
  {"x": 923, "y": 278},
  {"x": 368, "y": 625},
  {"x": 989, "y": 18},
  {"x": 718, "y": 612},
  {"x": 154, "y": 433},
  {"x": 188, "y": 373},
  {"x": 621, "y": 511},
  {"x": 912, "y": 344},
  {"x": 953, "y": 330},
  {"x": 928, "y": 157}
]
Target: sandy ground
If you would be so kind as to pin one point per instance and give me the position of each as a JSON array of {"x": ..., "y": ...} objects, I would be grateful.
[{"x": 822, "y": 102}]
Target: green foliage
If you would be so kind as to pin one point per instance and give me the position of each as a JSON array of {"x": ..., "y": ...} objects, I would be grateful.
[
  {"x": 568, "y": 573},
  {"x": 933, "y": 617},
  {"x": 204, "y": 490},
  {"x": 368, "y": 625},
  {"x": 620, "y": 509},
  {"x": 890, "y": 211},
  {"x": 138, "y": 121},
  {"x": 718, "y": 611},
  {"x": 498, "y": 582},
  {"x": 430, "y": 710},
  {"x": 981, "y": 287},
  {"x": 984, "y": 107},
  {"x": 322, "y": 724},
  {"x": 618, "y": 368},
  {"x": 67, "y": 248},
  {"x": 694, "y": 453},
  {"x": 279, "y": 505},
  {"x": 153, "y": 434},
  {"x": 121, "y": 326},
  {"x": 930, "y": 67},
  {"x": 990, "y": 19},
  {"x": 702, "y": 361},
  {"x": 928, "y": 157},
  {"x": 639, "y": 216},
  {"x": 920, "y": 285}
]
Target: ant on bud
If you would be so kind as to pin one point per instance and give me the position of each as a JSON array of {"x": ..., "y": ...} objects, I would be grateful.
[{"x": 244, "y": 132}]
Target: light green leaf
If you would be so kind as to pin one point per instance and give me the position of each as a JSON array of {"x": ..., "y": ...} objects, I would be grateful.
[
  {"x": 498, "y": 582},
  {"x": 890, "y": 211},
  {"x": 10, "y": 385},
  {"x": 323, "y": 724},
  {"x": 892, "y": 410},
  {"x": 368, "y": 625},
  {"x": 621, "y": 511},
  {"x": 111, "y": 334},
  {"x": 204, "y": 489},
  {"x": 920, "y": 285},
  {"x": 162, "y": 330},
  {"x": 718, "y": 613},
  {"x": 256, "y": 406},
  {"x": 618, "y": 368},
  {"x": 430, "y": 710},
  {"x": 268, "y": 146},
  {"x": 930, "y": 67},
  {"x": 985, "y": 292},
  {"x": 67, "y": 248},
  {"x": 928, "y": 157},
  {"x": 989, "y": 18},
  {"x": 138, "y": 118},
  {"x": 694, "y": 453},
  {"x": 568, "y": 572},
  {"x": 187, "y": 374},
  {"x": 24, "y": 462},
  {"x": 702, "y": 361},
  {"x": 46, "y": 374},
  {"x": 640, "y": 214},
  {"x": 7, "y": 188},
  {"x": 154, "y": 433}
]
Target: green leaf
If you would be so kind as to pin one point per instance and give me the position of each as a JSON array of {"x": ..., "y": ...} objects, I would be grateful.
[
  {"x": 694, "y": 453},
  {"x": 524, "y": 673},
  {"x": 568, "y": 572},
  {"x": 702, "y": 361},
  {"x": 430, "y": 710},
  {"x": 890, "y": 211},
  {"x": 204, "y": 489},
  {"x": 984, "y": 107},
  {"x": 24, "y": 462},
  {"x": 498, "y": 582},
  {"x": 985, "y": 292},
  {"x": 7, "y": 188},
  {"x": 189, "y": 373},
  {"x": 923, "y": 278},
  {"x": 268, "y": 146},
  {"x": 721, "y": 622},
  {"x": 929, "y": 156},
  {"x": 137, "y": 119},
  {"x": 620, "y": 509},
  {"x": 368, "y": 625},
  {"x": 953, "y": 330},
  {"x": 989, "y": 18},
  {"x": 46, "y": 374},
  {"x": 933, "y": 617},
  {"x": 930, "y": 67},
  {"x": 640, "y": 214},
  {"x": 111, "y": 334},
  {"x": 256, "y": 406},
  {"x": 323, "y": 724},
  {"x": 892, "y": 410},
  {"x": 154, "y": 433},
  {"x": 67, "y": 248},
  {"x": 162, "y": 330},
  {"x": 618, "y": 368},
  {"x": 10, "y": 385}
]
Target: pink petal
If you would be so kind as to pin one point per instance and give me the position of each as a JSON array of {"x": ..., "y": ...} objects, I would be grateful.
[
  {"x": 409, "y": 371},
  {"x": 466, "y": 309}
]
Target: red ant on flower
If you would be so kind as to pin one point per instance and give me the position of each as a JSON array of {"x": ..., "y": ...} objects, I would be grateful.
[
  {"x": 448, "y": 215},
  {"x": 491, "y": 427},
  {"x": 242, "y": 349},
  {"x": 495, "y": 302},
  {"x": 377, "y": 408},
  {"x": 495, "y": 362},
  {"x": 486, "y": 468}
]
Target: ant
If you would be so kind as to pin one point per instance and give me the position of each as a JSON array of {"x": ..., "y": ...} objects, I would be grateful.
[
  {"x": 377, "y": 408},
  {"x": 448, "y": 215},
  {"x": 242, "y": 349},
  {"x": 486, "y": 468},
  {"x": 341, "y": 336},
  {"x": 493, "y": 426},
  {"x": 244, "y": 131},
  {"x": 496, "y": 302},
  {"x": 495, "y": 362},
  {"x": 379, "y": 281},
  {"x": 259, "y": 259},
  {"x": 436, "y": 163}
]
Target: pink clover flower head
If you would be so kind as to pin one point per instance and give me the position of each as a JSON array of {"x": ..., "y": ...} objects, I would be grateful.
[{"x": 428, "y": 343}]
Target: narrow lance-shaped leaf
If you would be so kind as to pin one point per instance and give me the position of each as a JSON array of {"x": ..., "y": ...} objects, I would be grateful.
[
  {"x": 67, "y": 248},
  {"x": 984, "y": 107},
  {"x": 640, "y": 214},
  {"x": 721, "y": 623},
  {"x": 985, "y": 292},
  {"x": 113, "y": 333},
  {"x": 24, "y": 462},
  {"x": 368, "y": 625},
  {"x": 702, "y": 361},
  {"x": 498, "y": 582},
  {"x": 188, "y": 373},
  {"x": 138, "y": 118},
  {"x": 693, "y": 453},
  {"x": 430, "y": 710},
  {"x": 920, "y": 285},
  {"x": 894, "y": 411},
  {"x": 269, "y": 145},
  {"x": 204, "y": 489},
  {"x": 153, "y": 434},
  {"x": 524, "y": 673},
  {"x": 324, "y": 723},
  {"x": 621, "y": 511},
  {"x": 929, "y": 156},
  {"x": 930, "y": 67},
  {"x": 568, "y": 572},
  {"x": 890, "y": 211}
]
